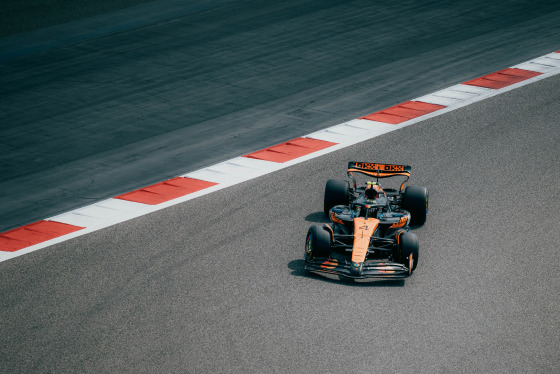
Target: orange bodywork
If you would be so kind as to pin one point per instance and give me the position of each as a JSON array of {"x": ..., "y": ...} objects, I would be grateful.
[
  {"x": 386, "y": 268},
  {"x": 334, "y": 219},
  {"x": 363, "y": 230},
  {"x": 401, "y": 223},
  {"x": 330, "y": 264}
]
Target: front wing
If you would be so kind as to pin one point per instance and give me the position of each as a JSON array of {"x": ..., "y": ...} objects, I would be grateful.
[{"x": 370, "y": 269}]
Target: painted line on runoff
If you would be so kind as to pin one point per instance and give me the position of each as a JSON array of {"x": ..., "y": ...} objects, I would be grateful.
[{"x": 44, "y": 233}]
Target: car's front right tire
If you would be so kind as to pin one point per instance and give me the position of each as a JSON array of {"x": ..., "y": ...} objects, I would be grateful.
[{"x": 409, "y": 248}]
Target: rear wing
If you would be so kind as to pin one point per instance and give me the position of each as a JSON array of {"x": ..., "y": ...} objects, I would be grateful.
[{"x": 378, "y": 170}]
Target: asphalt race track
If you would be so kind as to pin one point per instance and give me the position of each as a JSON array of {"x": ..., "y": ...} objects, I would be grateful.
[
  {"x": 215, "y": 285},
  {"x": 94, "y": 112}
]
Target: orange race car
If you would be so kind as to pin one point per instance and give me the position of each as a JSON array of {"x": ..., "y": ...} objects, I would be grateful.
[{"x": 369, "y": 235}]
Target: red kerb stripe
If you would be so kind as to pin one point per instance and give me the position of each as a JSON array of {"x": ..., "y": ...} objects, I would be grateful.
[
  {"x": 34, "y": 233},
  {"x": 165, "y": 191},
  {"x": 403, "y": 112},
  {"x": 290, "y": 150},
  {"x": 503, "y": 78}
]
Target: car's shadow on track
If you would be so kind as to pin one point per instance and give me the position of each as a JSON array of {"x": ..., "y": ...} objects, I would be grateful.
[{"x": 298, "y": 271}]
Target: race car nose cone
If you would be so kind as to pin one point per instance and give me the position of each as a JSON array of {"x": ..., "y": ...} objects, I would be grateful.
[{"x": 356, "y": 267}]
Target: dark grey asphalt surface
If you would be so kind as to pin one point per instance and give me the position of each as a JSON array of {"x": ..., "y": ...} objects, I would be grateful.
[
  {"x": 19, "y": 16},
  {"x": 118, "y": 102},
  {"x": 215, "y": 285}
]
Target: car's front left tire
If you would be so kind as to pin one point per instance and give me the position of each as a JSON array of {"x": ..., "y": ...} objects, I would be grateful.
[{"x": 318, "y": 243}]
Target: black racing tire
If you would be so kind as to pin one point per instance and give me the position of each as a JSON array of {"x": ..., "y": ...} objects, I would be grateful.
[
  {"x": 317, "y": 243},
  {"x": 337, "y": 192},
  {"x": 408, "y": 244},
  {"x": 415, "y": 200}
]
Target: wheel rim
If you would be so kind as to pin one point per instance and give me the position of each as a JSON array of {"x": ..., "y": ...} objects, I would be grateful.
[{"x": 309, "y": 247}]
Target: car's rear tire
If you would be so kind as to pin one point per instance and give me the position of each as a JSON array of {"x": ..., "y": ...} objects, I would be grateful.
[
  {"x": 318, "y": 243},
  {"x": 415, "y": 200},
  {"x": 408, "y": 244},
  {"x": 337, "y": 192}
]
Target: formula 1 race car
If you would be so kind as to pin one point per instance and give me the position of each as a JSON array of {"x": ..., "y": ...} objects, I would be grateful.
[{"x": 369, "y": 235}]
